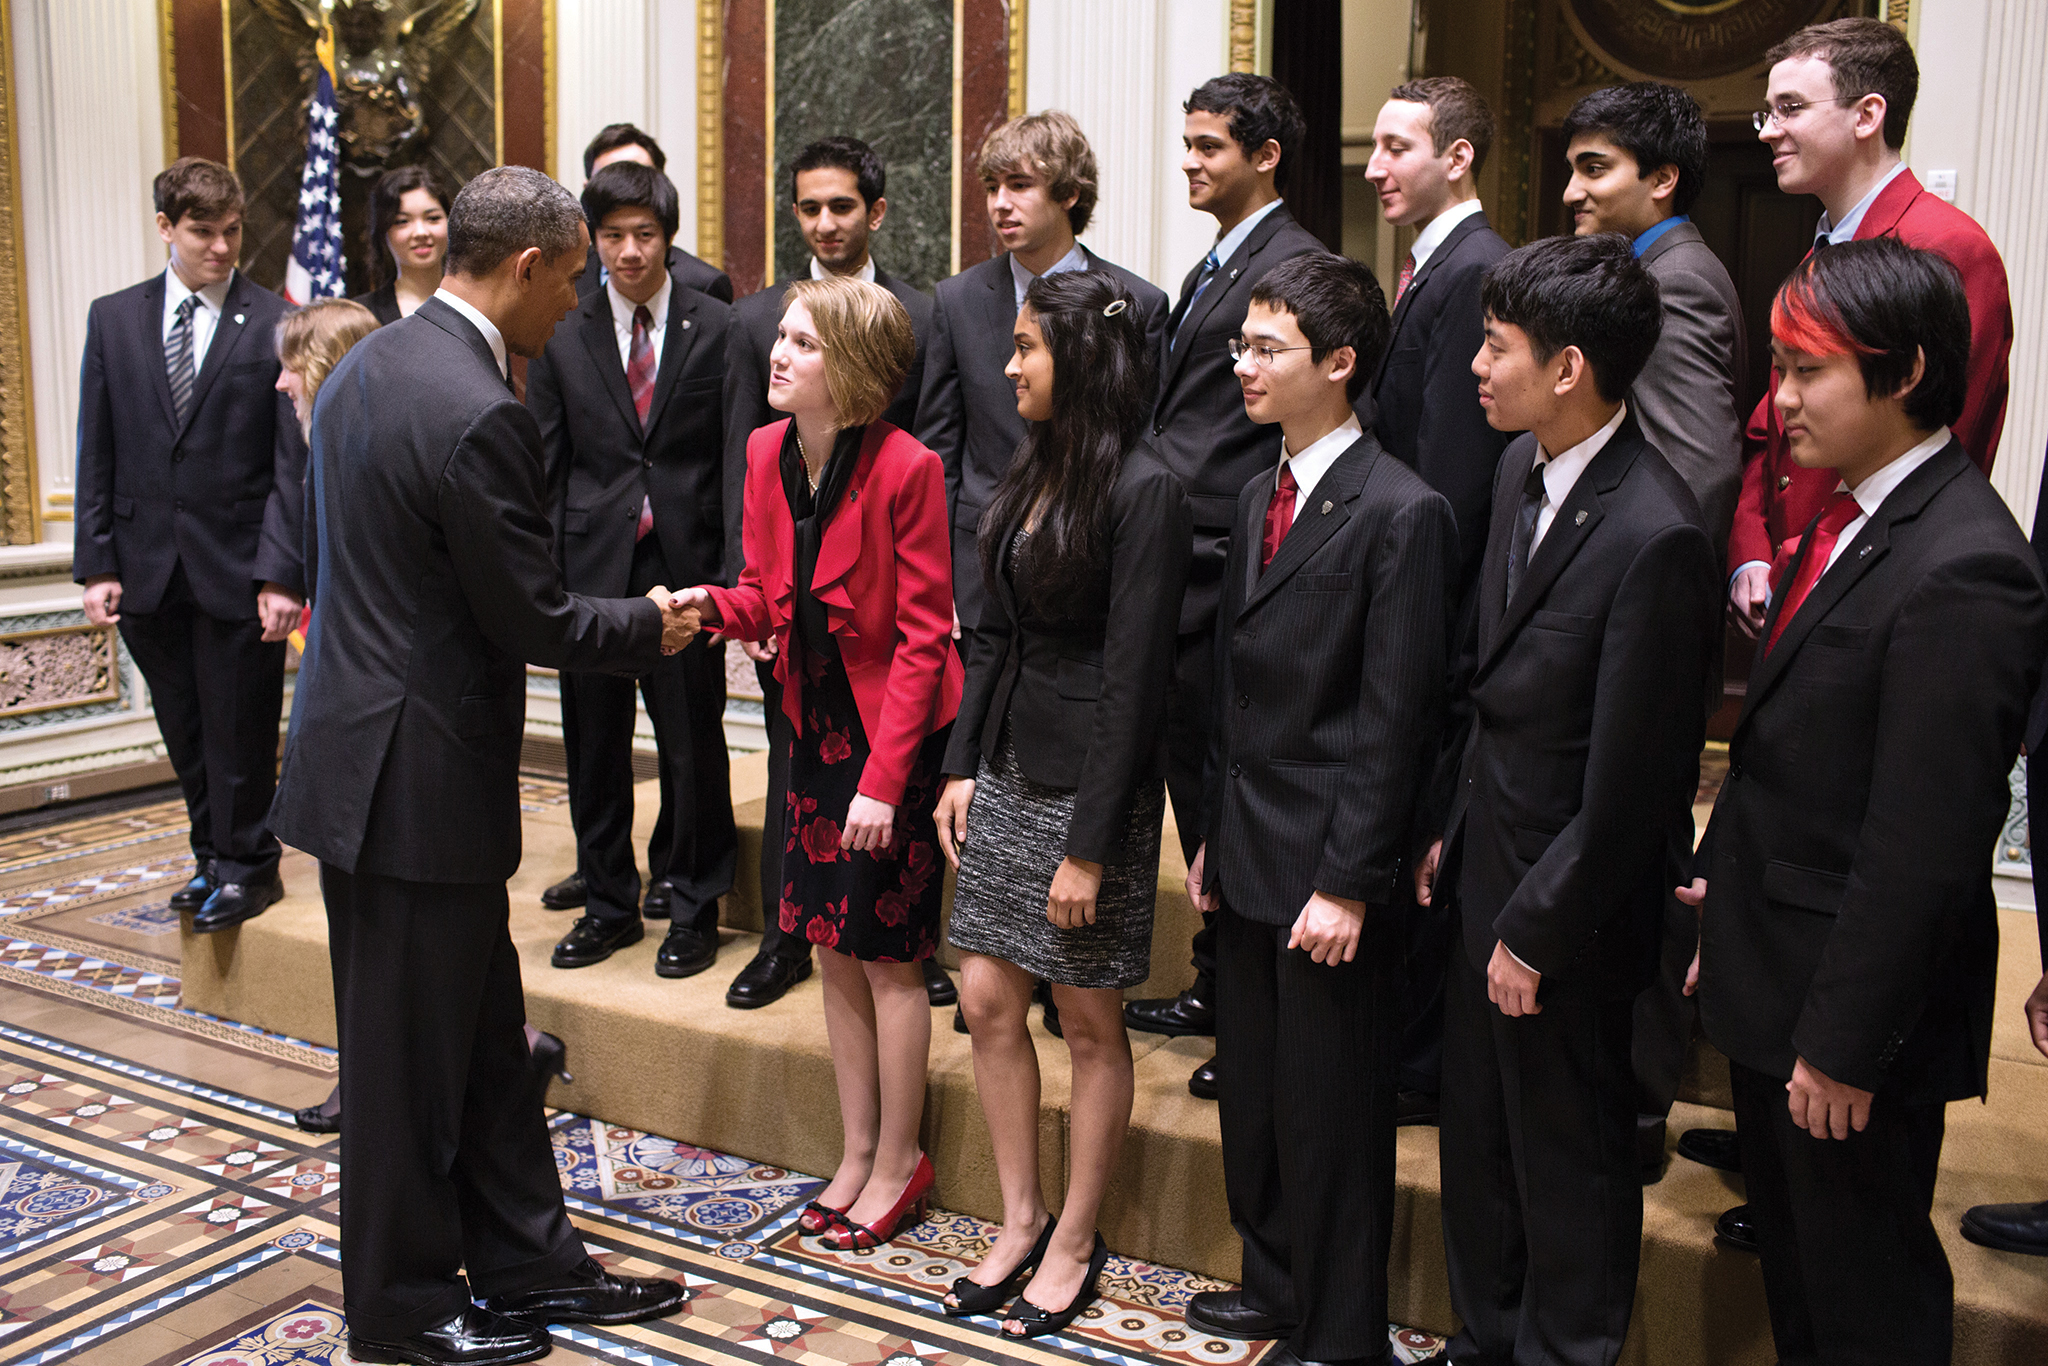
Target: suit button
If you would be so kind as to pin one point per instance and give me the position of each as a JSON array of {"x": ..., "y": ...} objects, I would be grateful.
[
  {"x": 177, "y": 456},
  {"x": 1236, "y": 771},
  {"x": 1243, "y": 700},
  {"x": 1158, "y": 430},
  {"x": 1734, "y": 771},
  {"x": 647, "y": 464},
  {"x": 179, "y": 506}
]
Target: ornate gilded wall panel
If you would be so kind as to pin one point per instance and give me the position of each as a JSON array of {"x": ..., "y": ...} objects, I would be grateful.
[{"x": 18, "y": 510}]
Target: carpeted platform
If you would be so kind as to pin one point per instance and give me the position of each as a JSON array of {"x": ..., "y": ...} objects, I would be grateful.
[{"x": 670, "y": 1057}]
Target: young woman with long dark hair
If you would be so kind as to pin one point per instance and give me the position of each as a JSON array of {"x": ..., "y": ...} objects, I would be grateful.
[{"x": 406, "y": 241}]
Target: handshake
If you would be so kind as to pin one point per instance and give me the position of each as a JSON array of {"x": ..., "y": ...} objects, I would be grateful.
[{"x": 682, "y": 615}]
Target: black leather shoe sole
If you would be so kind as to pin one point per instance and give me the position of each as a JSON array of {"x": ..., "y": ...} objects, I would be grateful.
[
  {"x": 387, "y": 1353},
  {"x": 567, "y": 894},
  {"x": 639, "y": 1314},
  {"x": 1202, "y": 1085},
  {"x": 2003, "y": 1242},
  {"x": 767, "y": 988},
  {"x": 1735, "y": 1229},
  {"x": 1414, "y": 1107},
  {"x": 1244, "y": 1327},
  {"x": 591, "y": 953},
  {"x": 1716, "y": 1148},
  {"x": 252, "y": 904},
  {"x": 1170, "y": 1017}
]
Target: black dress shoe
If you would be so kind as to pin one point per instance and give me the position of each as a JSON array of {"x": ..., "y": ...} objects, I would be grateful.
[
  {"x": 938, "y": 987},
  {"x": 591, "y": 940},
  {"x": 474, "y": 1337},
  {"x": 567, "y": 894},
  {"x": 959, "y": 1019},
  {"x": 590, "y": 1294},
  {"x": 1737, "y": 1229},
  {"x": 1414, "y": 1107},
  {"x": 660, "y": 896},
  {"x": 1224, "y": 1314},
  {"x": 1042, "y": 993},
  {"x": 686, "y": 952},
  {"x": 765, "y": 980},
  {"x": 547, "y": 1058},
  {"x": 234, "y": 902},
  {"x": 2009, "y": 1228},
  {"x": 1202, "y": 1085},
  {"x": 193, "y": 894},
  {"x": 1175, "y": 1017},
  {"x": 1716, "y": 1148},
  {"x": 324, "y": 1118}
]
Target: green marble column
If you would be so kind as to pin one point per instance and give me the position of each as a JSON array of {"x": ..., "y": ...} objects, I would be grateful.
[{"x": 882, "y": 71}]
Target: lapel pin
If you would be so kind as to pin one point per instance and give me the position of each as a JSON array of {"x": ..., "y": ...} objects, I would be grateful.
[
  {"x": 686, "y": 324},
  {"x": 1327, "y": 505},
  {"x": 1580, "y": 520},
  {"x": 238, "y": 319},
  {"x": 1784, "y": 481},
  {"x": 1861, "y": 553}
]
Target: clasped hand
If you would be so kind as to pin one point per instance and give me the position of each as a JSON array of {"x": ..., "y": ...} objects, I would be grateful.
[{"x": 681, "y": 619}]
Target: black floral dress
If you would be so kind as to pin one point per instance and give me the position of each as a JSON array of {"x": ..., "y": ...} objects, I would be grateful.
[{"x": 880, "y": 906}]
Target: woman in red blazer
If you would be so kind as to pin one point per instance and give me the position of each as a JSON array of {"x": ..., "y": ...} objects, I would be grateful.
[{"x": 849, "y": 569}]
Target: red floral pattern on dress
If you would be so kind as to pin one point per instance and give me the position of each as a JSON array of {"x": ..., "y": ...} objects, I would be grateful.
[
  {"x": 821, "y": 840},
  {"x": 824, "y": 927},
  {"x": 892, "y": 909},
  {"x": 789, "y": 913},
  {"x": 834, "y": 747},
  {"x": 920, "y": 862}
]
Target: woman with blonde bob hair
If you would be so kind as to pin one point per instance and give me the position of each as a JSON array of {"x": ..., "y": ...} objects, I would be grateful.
[
  {"x": 848, "y": 570},
  {"x": 310, "y": 342}
]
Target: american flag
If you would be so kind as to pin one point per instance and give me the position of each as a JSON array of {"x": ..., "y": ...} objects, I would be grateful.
[{"x": 317, "y": 266}]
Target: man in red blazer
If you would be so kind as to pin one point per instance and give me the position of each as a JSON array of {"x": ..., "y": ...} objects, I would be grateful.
[{"x": 1837, "y": 104}]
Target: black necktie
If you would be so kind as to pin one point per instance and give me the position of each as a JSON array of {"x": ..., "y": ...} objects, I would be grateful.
[
  {"x": 178, "y": 358},
  {"x": 1525, "y": 526}
]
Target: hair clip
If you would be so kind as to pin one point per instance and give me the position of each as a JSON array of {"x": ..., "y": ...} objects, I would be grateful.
[{"x": 1115, "y": 307}]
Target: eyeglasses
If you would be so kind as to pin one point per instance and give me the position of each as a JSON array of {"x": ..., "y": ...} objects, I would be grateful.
[
  {"x": 1786, "y": 110},
  {"x": 1262, "y": 356}
]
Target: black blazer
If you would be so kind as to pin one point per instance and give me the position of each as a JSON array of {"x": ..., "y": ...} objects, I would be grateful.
[
  {"x": 437, "y": 588},
  {"x": 1199, "y": 420},
  {"x": 1330, "y": 670},
  {"x": 383, "y": 301},
  {"x": 1085, "y": 714},
  {"x": 223, "y": 494},
  {"x": 755, "y": 319},
  {"x": 967, "y": 412},
  {"x": 601, "y": 464},
  {"x": 1427, "y": 399},
  {"x": 683, "y": 268},
  {"x": 1573, "y": 818},
  {"x": 1849, "y": 917}
]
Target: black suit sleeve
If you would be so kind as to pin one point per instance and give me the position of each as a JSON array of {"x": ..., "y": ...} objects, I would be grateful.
[
  {"x": 1952, "y": 701},
  {"x": 1649, "y": 717},
  {"x": 544, "y": 400},
  {"x": 988, "y": 646},
  {"x": 1409, "y": 590},
  {"x": 1150, "y": 546},
  {"x": 1155, "y": 329},
  {"x": 280, "y": 552},
  {"x": 1456, "y": 449},
  {"x": 1231, "y": 603},
  {"x": 941, "y": 423},
  {"x": 92, "y": 551}
]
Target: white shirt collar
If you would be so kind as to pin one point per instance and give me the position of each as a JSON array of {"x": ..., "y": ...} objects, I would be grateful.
[
  {"x": 1312, "y": 464},
  {"x": 492, "y": 335},
  {"x": 1228, "y": 243},
  {"x": 213, "y": 297},
  {"x": 866, "y": 271},
  {"x": 1076, "y": 259},
  {"x": 1871, "y": 493},
  {"x": 657, "y": 307},
  {"x": 1438, "y": 228},
  {"x": 1845, "y": 231},
  {"x": 1561, "y": 472}
]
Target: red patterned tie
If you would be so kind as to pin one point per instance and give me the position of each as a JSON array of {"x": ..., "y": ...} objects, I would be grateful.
[
  {"x": 1407, "y": 276},
  {"x": 1279, "y": 515},
  {"x": 1820, "y": 543},
  {"x": 640, "y": 379}
]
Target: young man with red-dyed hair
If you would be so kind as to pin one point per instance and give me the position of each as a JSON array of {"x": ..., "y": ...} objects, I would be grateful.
[{"x": 1848, "y": 938}]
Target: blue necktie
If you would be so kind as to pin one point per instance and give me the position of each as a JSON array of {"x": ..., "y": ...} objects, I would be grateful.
[{"x": 1210, "y": 265}]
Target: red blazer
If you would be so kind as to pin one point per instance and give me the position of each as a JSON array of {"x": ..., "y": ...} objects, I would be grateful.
[
  {"x": 1778, "y": 497},
  {"x": 885, "y": 577}
]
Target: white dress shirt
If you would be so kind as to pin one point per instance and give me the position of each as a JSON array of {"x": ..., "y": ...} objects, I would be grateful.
[
  {"x": 205, "y": 318},
  {"x": 1228, "y": 243},
  {"x": 1871, "y": 493},
  {"x": 1075, "y": 259},
  {"x": 492, "y": 335},
  {"x": 622, "y": 319},
  {"x": 1312, "y": 464},
  {"x": 1438, "y": 228},
  {"x": 1845, "y": 231},
  {"x": 866, "y": 271},
  {"x": 1561, "y": 472}
]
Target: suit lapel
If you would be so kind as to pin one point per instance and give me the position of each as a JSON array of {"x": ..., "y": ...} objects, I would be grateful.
[
  {"x": 227, "y": 334},
  {"x": 1000, "y": 309},
  {"x": 152, "y": 327},
  {"x": 1317, "y": 517},
  {"x": 600, "y": 335},
  {"x": 1493, "y": 572},
  {"x": 1890, "y": 206},
  {"x": 839, "y": 546},
  {"x": 1226, "y": 276},
  {"x": 1444, "y": 250},
  {"x": 675, "y": 348}
]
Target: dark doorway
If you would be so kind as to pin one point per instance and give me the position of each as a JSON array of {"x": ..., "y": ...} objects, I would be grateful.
[{"x": 1308, "y": 58}]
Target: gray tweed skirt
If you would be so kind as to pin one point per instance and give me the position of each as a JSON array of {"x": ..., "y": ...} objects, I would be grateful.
[{"x": 1017, "y": 836}]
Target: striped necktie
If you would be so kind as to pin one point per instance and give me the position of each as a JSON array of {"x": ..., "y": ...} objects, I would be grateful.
[
  {"x": 1407, "y": 276},
  {"x": 1210, "y": 265},
  {"x": 178, "y": 358},
  {"x": 640, "y": 379}
]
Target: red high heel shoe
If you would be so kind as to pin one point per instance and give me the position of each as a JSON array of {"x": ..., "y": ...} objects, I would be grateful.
[
  {"x": 817, "y": 1217},
  {"x": 910, "y": 1207}
]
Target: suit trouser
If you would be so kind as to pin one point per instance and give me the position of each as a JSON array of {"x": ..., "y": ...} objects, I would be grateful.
[
  {"x": 1664, "y": 1014},
  {"x": 1853, "y": 1269},
  {"x": 1542, "y": 1199},
  {"x": 695, "y": 845},
  {"x": 218, "y": 691},
  {"x": 774, "y": 828},
  {"x": 1305, "y": 1057},
  {"x": 1190, "y": 716},
  {"x": 455, "y": 1170}
]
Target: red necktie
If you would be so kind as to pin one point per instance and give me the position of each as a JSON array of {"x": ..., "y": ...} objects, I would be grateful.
[
  {"x": 1279, "y": 516},
  {"x": 640, "y": 379},
  {"x": 1407, "y": 276},
  {"x": 1820, "y": 543}
]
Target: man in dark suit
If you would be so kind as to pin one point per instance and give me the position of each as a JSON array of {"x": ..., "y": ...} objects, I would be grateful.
[
  {"x": 1849, "y": 938},
  {"x": 437, "y": 586},
  {"x": 190, "y": 501},
  {"x": 838, "y": 192},
  {"x": 627, "y": 403},
  {"x": 2024, "y": 1227},
  {"x": 1333, "y": 650},
  {"x": 1429, "y": 141},
  {"x": 1596, "y": 621},
  {"x": 1238, "y": 132},
  {"x": 1638, "y": 156}
]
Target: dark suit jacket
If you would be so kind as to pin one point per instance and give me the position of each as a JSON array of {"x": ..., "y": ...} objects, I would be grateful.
[
  {"x": 1425, "y": 394},
  {"x": 601, "y": 464},
  {"x": 1329, "y": 687},
  {"x": 1686, "y": 397},
  {"x": 1589, "y": 710},
  {"x": 2037, "y": 726},
  {"x": 683, "y": 268},
  {"x": 438, "y": 587},
  {"x": 1084, "y": 712},
  {"x": 383, "y": 301},
  {"x": 223, "y": 493},
  {"x": 755, "y": 319},
  {"x": 967, "y": 412},
  {"x": 1849, "y": 917},
  {"x": 1199, "y": 420}
]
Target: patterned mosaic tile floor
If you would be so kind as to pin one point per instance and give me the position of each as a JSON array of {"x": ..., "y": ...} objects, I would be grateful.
[{"x": 149, "y": 1218}]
